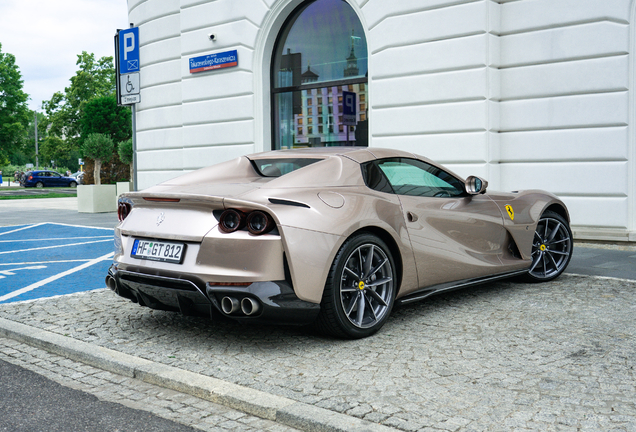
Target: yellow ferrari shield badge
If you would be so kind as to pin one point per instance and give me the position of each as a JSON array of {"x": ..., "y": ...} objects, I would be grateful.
[{"x": 510, "y": 211}]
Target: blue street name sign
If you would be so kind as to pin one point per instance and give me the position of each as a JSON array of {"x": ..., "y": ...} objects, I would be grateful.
[
  {"x": 214, "y": 61},
  {"x": 129, "y": 50}
]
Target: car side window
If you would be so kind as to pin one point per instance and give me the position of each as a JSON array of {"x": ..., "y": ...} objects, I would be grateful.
[{"x": 417, "y": 178}]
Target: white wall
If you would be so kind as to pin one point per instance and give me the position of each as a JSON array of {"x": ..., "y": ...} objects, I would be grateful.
[{"x": 526, "y": 93}]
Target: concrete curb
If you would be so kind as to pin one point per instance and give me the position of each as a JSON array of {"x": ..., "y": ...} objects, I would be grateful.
[{"x": 255, "y": 402}]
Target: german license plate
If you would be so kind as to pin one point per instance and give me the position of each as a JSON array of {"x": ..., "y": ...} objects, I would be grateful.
[{"x": 158, "y": 251}]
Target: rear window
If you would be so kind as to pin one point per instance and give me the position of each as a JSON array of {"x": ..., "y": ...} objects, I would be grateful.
[{"x": 279, "y": 167}]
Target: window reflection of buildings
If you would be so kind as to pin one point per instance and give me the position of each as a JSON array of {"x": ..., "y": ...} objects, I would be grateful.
[
  {"x": 319, "y": 106},
  {"x": 328, "y": 116}
]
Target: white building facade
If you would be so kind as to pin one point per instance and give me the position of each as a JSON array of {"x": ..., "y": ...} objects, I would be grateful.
[{"x": 528, "y": 94}]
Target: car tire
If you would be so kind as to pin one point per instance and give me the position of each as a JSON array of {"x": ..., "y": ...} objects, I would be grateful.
[
  {"x": 73, "y": 184},
  {"x": 358, "y": 297},
  {"x": 39, "y": 185},
  {"x": 552, "y": 248}
]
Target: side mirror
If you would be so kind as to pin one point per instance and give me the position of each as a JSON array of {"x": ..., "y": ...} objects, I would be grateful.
[{"x": 476, "y": 185}]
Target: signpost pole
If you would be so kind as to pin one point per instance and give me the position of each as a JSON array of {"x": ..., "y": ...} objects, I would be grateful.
[
  {"x": 134, "y": 143},
  {"x": 37, "y": 163},
  {"x": 127, "y": 64}
]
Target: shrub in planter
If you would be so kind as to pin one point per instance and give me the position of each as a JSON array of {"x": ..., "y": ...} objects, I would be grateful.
[{"x": 98, "y": 147}]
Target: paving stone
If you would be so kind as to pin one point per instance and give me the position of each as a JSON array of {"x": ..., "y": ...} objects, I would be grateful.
[
  {"x": 559, "y": 351},
  {"x": 134, "y": 393}
]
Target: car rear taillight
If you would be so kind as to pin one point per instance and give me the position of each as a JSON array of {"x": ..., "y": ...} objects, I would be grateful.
[
  {"x": 259, "y": 222},
  {"x": 123, "y": 209},
  {"x": 231, "y": 220},
  {"x": 30, "y": 178}
]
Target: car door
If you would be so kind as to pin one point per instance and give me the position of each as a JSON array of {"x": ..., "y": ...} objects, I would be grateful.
[
  {"x": 454, "y": 236},
  {"x": 56, "y": 179},
  {"x": 43, "y": 177}
]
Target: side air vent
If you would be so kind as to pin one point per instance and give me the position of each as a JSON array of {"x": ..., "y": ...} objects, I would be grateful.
[{"x": 287, "y": 202}]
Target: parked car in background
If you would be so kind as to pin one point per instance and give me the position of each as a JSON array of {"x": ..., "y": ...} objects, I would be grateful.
[
  {"x": 79, "y": 176},
  {"x": 48, "y": 179}
]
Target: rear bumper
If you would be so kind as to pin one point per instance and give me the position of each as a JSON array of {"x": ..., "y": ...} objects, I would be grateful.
[{"x": 272, "y": 302}]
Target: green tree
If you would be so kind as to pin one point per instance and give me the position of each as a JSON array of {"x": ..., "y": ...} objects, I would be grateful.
[
  {"x": 100, "y": 148},
  {"x": 95, "y": 78},
  {"x": 54, "y": 148},
  {"x": 125, "y": 152},
  {"x": 14, "y": 113},
  {"x": 102, "y": 115}
]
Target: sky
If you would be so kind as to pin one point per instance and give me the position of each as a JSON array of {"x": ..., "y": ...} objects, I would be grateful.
[{"x": 45, "y": 36}]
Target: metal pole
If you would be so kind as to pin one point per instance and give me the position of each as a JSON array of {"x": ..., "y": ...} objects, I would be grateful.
[
  {"x": 134, "y": 140},
  {"x": 37, "y": 163}
]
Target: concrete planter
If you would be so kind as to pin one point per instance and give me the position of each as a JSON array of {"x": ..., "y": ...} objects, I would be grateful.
[
  {"x": 96, "y": 198},
  {"x": 122, "y": 187}
]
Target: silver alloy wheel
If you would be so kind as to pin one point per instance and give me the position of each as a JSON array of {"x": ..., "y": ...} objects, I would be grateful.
[
  {"x": 366, "y": 286},
  {"x": 551, "y": 248}
]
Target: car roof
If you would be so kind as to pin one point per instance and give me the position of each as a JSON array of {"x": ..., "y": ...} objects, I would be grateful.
[{"x": 358, "y": 154}]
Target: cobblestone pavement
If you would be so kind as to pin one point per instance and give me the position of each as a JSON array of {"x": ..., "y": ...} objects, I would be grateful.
[
  {"x": 557, "y": 356},
  {"x": 133, "y": 393}
]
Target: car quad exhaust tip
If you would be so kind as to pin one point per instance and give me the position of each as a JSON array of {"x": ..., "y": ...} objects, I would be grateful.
[
  {"x": 230, "y": 305},
  {"x": 111, "y": 283},
  {"x": 249, "y": 306}
]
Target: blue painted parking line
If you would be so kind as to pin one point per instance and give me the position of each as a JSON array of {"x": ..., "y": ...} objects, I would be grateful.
[{"x": 50, "y": 259}]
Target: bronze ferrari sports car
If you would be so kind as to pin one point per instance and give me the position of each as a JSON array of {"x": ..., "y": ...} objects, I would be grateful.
[{"x": 332, "y": 236}]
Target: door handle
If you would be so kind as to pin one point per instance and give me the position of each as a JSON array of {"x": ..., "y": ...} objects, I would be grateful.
[{"x": 411, "y": 217}]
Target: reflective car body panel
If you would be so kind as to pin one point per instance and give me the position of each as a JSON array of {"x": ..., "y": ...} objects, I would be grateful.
[{"x": 316, "y": 206}]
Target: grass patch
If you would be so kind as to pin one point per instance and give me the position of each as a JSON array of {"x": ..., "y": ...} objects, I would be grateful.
[{"x": 47, "y": 195}]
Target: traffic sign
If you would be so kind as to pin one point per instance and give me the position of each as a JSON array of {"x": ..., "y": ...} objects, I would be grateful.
[
  {"x": 128, "y": 66},
  {"x": 129, "y": 88},
  {"x": 129, "y": 50},
  {"x": 349, "y": 108}
]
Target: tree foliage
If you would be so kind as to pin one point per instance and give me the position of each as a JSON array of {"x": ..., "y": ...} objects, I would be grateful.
[
  {"x": 102, "y": 115},
  {"x": 125, "y": 152},
  {"x": 14, "y": 113},
  {"x": 95, "y": 78},
  {"x": 99, "y": 147}
]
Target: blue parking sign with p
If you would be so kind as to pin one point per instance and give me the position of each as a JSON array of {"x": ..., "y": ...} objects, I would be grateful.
[{"x": 129, "y": 50}]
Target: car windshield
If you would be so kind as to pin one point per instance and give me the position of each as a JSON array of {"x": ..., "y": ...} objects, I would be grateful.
[{"x": 282, "y": 166}]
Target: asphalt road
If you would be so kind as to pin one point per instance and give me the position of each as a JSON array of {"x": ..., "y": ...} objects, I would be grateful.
[
  {"x": 31, "y": 403},
  {"x": 57, "y": 210}
]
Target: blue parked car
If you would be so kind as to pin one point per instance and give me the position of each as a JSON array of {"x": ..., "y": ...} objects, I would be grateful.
[{"x": 48, "y": 179}]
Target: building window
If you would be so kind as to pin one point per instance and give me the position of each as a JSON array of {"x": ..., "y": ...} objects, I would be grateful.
[{"x": 302, "y": 68}]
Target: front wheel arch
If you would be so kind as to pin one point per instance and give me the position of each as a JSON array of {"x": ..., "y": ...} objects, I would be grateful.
[
  {"x": 393, "y": 248},
  {"x": 552, "y": 247},
  {"x": 349, "y": 309}
]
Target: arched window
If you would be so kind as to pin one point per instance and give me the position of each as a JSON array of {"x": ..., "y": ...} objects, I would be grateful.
[{"x": 319, "y": 78}]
